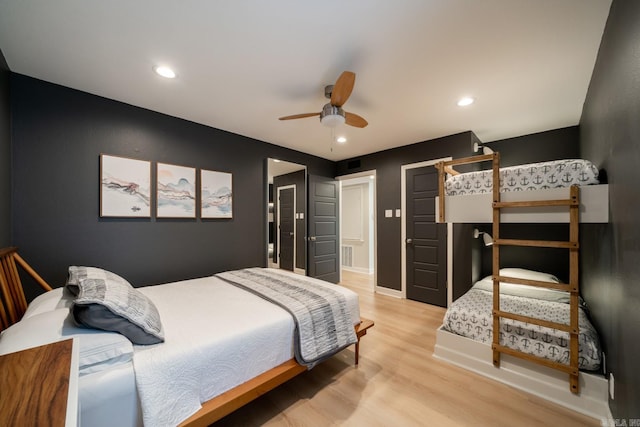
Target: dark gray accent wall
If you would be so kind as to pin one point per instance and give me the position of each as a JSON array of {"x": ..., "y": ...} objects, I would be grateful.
[
  {"x": 388, "y": 165},
  {"x": 610, "y": 136},
  {"x": 553, "y": 144},
  {"x": 5, "y": 155},
  {"x": 58, "y": 136}
]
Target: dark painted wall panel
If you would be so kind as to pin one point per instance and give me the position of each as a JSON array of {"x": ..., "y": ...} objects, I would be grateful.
[
  {"x": 554, "y": 144},
  {"x": 5, "y": 155},
  {"x": 58, "y": 135},
  {"x": 610, "y": 136}
]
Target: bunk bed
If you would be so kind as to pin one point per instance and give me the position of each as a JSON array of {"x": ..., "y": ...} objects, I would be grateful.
[
  {"x": 217, "y": 335},
  {"x": 522, "y": 300}
]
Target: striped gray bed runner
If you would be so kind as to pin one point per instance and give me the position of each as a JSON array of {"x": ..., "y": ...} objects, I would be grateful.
[{"x": 322, "y": 319}]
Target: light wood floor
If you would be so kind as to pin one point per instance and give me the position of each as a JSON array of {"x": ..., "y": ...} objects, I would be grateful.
[{"x": 398, "y": 382}]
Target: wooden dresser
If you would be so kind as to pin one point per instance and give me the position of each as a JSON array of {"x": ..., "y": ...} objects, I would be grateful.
[{"x": 38, "y": 386}]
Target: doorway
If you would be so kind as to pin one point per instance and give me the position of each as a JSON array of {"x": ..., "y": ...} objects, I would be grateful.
[
  {"x": 426, "y": 244},
  {"x": 283, "y": 174},
  {"x": 358, "y": 231},
  {"x": 286, "y": 227}
]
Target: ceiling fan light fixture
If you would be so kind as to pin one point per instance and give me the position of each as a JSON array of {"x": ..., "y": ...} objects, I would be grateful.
[
  {"x": 341, "y": 139},
  {"x": 332, "y": 116}
]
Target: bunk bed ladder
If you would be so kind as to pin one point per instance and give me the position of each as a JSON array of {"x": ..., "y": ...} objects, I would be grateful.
[{"x": 572, "y": 287}]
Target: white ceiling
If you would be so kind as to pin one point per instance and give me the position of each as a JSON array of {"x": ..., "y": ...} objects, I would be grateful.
[{"x": 241, "y": 64}]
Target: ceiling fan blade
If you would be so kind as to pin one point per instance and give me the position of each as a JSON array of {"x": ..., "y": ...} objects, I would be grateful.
[
  {"x": 342, "y": 89},
  {"x": 299, "y": 116},
  {"x": 355, "y": 120}
]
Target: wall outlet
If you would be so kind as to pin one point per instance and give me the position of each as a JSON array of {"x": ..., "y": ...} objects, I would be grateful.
[{"x": 611, "y": 386}]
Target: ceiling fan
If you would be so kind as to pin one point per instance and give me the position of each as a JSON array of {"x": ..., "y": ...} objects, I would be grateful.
[{"x": 332, "y": 113}]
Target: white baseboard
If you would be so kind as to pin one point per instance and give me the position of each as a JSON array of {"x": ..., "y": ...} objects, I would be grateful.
[
  {"x": 389, "y": 292},
  {"x": 536, "y": 379}
]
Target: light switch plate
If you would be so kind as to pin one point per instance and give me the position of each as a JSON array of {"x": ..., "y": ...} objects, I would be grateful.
[
  {"x": 398, "y": 213},
  {"x": 388, "y": 213}
]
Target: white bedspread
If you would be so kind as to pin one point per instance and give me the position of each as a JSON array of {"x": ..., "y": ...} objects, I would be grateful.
[{"x": 210, "y": 347}]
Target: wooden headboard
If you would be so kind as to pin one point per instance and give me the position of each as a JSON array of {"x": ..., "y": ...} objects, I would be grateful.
[{"x": 12, "y": 299}]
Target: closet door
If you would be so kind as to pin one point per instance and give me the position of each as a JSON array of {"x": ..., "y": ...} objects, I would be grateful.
[
  {"x": 324, "y": 237},
  {"x": 426, "y": 244}
]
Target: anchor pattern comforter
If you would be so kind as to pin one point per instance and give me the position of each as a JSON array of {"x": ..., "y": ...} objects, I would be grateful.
[
  {"x": 533, "y": 176},
  {"x": 470, "y": 316}
]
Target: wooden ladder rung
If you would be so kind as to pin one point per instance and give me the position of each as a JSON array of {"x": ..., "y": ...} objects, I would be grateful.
[
  {"x": 548, "y": 285},
  {"x": 537, "y": 243},
  {"x": 526, "y": 356},
  {"x": 536, "y": 203},
  {"x": 534, "y": 321}
]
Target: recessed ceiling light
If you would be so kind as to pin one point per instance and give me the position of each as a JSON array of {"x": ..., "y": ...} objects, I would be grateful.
[
  {"x": 341, "y": 139},
  {"x": 463, "y": 102},
  {"x": 164, "y": 71}
]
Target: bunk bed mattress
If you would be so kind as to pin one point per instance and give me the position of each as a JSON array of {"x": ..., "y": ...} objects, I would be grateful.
[
  {"x": 533, "y": 176},
  {"x": 470, "y": 316}
]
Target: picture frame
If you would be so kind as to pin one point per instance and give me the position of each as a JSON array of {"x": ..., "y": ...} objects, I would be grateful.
[
  {"x": 175, "y": 191},
  {"x": 125, "y": 187},
  {"x": 216, "y": 194}
]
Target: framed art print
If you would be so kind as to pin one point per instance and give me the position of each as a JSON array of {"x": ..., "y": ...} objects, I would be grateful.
[
  {"x": 125, "y": 187},
  {"x": 176, "y": 191},
  {"x": 216, "y": 194}
]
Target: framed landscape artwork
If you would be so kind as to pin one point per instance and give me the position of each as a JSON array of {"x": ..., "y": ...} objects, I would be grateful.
[
  {"x": 125, "y": 187},
  {"x": 216, "y": 194},
  {"x": 176, "y": 191}
]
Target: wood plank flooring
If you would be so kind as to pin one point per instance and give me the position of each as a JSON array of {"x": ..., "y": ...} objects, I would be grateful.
[{"x": 398, "y": 382}]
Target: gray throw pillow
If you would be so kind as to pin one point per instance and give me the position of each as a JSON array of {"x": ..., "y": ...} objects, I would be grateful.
[{"x": 110, "y": 303}]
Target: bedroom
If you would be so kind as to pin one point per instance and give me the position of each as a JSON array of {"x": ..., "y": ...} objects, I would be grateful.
[{"x": 56, "y": 147}]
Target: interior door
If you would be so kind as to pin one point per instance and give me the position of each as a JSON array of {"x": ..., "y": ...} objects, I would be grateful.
[
  {"x": 287, "y": 223},
  {"x": 426, "y": 245},
  {"x": 324, "y": 239}
]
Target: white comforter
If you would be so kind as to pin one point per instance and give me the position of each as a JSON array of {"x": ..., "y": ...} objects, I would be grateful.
[{"x": 209, "y": 347}]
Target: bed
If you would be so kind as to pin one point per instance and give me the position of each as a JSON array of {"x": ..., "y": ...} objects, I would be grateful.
[
  {"x": 465, "y": 340},
  {"x": 217, "y": 346},
  {"x": 471, "y": 316},
  {"x": 469, "y": 195}
]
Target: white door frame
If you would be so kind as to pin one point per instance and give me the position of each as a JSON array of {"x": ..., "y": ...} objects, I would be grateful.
[
  {"x": 403, "y": 233},
  {"x": 286, "y": 187},
  {"x": 375, "y": 223}
]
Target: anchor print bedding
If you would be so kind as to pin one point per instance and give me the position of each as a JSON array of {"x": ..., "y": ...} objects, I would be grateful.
[
  {"x": 470, "y": 316},
  {"x": 533, "y": 176}
]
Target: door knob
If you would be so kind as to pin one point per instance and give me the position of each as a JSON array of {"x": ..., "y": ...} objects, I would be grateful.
[
  {"x": 312, "y": 238},
  {"x": 409, "y": 241},
  {"x": 291, "y": 234}
]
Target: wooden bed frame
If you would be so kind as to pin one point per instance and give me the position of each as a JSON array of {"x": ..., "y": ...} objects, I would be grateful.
[{"x": 13, "y": 305}]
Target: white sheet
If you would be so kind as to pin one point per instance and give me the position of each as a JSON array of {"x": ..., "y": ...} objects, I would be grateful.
[{"x": 214, "y": 328}]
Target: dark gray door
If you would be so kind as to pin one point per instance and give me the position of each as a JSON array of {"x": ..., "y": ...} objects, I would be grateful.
[
  {"x": 286, "y": 234},
  {"x": 426, "y": 240},
  {"x": 324, "y": 261}
]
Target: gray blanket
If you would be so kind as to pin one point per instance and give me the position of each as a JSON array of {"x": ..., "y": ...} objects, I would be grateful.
[{"x": 323, "y": 323}]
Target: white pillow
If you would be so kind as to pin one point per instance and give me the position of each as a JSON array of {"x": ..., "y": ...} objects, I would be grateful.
[
  {"x": 48, "y": 301},
  {"x": 98, "y": 350},
  {"x": 522, "y": 273}
]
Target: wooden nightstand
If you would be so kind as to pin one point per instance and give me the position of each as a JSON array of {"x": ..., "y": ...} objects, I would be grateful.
[{"x": 39, "y": 386}]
